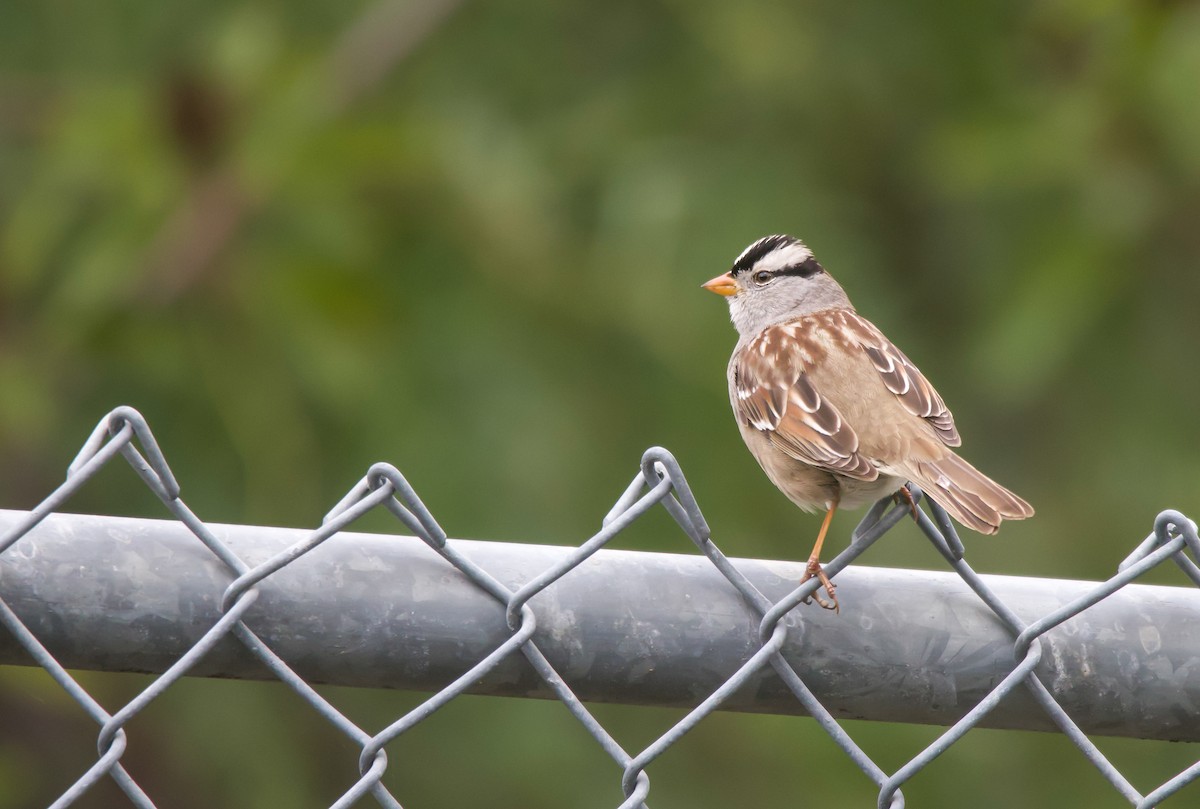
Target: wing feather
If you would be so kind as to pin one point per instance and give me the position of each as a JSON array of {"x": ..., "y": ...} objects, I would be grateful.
[
  {"x": 773, "y": 393},
  {"x": 904, "y": 379}
]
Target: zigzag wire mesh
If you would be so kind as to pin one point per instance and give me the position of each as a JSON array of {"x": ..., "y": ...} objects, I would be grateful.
[{"x": 660, "y": 482}]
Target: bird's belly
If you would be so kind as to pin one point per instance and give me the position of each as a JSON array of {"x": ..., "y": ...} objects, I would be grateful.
[
  {"x": 859, "y": 493},
  {"x": 812, "y": 488}
]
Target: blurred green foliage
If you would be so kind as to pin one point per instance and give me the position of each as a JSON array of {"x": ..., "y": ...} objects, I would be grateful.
[{"x": 479, "y": 259}]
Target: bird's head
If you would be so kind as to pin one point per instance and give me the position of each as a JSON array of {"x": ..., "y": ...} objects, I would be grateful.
[{"x": 775, "y": 280}]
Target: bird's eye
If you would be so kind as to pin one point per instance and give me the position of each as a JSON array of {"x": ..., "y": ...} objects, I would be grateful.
[{"x": 762, "y": 277}]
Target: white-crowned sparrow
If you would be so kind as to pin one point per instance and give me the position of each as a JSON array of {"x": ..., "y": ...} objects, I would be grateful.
[{"x": 834, "y": 413}]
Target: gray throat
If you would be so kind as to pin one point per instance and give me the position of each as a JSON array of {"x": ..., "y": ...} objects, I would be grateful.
[{"x": 752, "y": 313}]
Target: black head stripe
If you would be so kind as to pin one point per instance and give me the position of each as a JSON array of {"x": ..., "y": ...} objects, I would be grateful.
[
  {"x": 810, "y": 266},
  {"x": 759, "y": 249}
]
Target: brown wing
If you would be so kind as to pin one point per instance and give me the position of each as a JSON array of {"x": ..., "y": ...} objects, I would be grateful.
[
  {"x": 904, "y": 379},
  {"x": 774, "y": 394}
]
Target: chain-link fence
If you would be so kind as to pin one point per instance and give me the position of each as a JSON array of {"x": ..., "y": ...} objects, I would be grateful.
[{"x": 229, "y": 599}]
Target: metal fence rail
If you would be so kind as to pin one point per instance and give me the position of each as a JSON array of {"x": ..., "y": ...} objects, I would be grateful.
[{"x": 578, "y": 624}]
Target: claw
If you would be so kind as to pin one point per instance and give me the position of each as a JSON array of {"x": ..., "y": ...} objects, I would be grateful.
[
  {"x": 904, "y": 494},
  {"x": 815, "y": 570},
  {"x": 814, "y": 563}
]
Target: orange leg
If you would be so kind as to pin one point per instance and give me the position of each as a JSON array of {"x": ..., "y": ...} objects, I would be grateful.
[{"x": 814, "y": 564}]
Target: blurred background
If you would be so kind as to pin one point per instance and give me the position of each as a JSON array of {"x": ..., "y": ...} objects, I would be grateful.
[{"x": 468, "y": 239}]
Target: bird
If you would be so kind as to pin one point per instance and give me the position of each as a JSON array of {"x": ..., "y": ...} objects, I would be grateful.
[{"x": 835, "y": 414}]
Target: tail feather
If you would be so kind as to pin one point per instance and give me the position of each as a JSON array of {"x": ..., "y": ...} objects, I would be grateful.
[{"x": 971, "y": 497}]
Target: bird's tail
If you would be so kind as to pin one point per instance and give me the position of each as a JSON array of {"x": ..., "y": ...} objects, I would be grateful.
[{"x": 971, "y": 497}]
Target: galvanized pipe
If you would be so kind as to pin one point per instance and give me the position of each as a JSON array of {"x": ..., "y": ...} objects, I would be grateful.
[{"x": 121, "y": 594}]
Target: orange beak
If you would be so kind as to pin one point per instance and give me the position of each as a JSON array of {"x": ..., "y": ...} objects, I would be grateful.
[{"x": 722, "y": 285}]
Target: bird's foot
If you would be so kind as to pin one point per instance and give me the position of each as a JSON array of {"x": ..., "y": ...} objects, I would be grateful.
[
  {"x": 903, "y": 494},
  {"x": 815, "y": 570}
]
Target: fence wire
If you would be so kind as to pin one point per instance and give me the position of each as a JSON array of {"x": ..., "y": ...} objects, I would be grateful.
[{"x": 658, "y": 483}]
